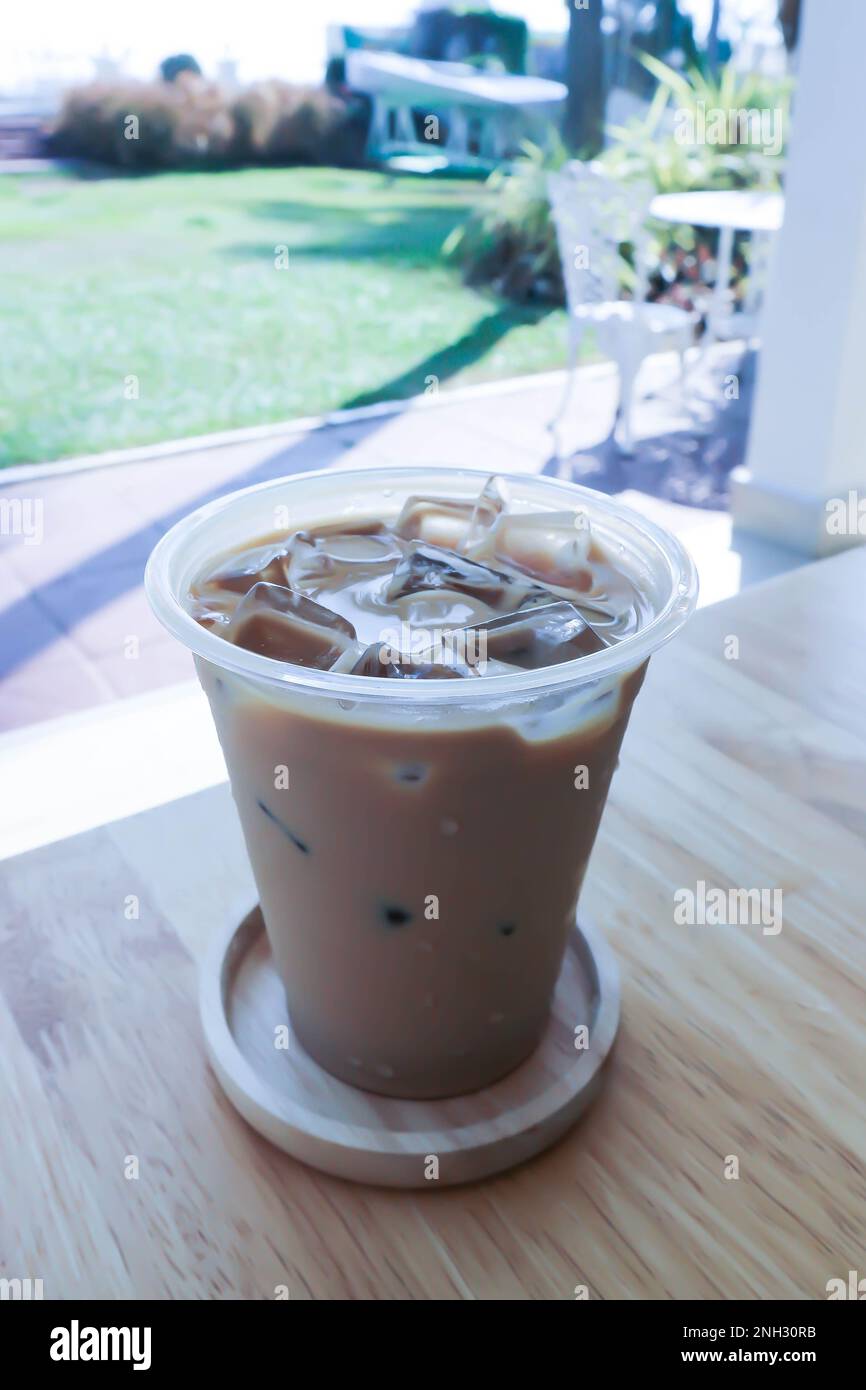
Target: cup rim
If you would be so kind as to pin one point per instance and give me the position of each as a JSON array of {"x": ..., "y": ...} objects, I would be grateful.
[{"x": 625, "y": 655}]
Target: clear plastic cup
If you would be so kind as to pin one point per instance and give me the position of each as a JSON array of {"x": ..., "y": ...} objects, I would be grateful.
[{"x": 418, "y": 846}]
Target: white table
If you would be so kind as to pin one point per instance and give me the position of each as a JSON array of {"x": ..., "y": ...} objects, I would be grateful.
[
  {"x": 492, "y": 110},
  {"x": 730, "y": 210}
]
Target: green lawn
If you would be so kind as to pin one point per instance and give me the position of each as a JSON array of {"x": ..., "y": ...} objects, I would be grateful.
[{"x": 172, "y": 280}]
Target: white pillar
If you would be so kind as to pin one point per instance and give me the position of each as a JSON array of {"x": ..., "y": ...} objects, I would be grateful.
[{"x": 808, "y": 437}]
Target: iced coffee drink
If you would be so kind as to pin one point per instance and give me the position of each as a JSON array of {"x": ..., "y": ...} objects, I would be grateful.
[{"x": 421, "y": 698}]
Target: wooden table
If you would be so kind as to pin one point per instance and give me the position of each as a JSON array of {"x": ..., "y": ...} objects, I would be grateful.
[{"x": 746, "y": 771}]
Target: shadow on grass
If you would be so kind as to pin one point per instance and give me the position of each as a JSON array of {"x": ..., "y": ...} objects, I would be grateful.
[
  {"x": 50, "y": 610},
  {"x": 387, "y": 233},
  {"x": 439, "y": 366},
  {"x": 690, "y": 466}
]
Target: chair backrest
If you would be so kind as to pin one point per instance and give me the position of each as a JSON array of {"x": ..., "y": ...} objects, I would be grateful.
[{"x": 594, "y": 215}]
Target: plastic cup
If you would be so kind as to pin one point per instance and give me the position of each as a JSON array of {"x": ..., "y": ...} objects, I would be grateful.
[{"x": 418, "y": 846}]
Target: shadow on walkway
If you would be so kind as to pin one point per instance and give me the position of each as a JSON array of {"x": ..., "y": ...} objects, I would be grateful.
[
  {"x": 442, "y": 365},
  {"x": 87, "y": 587},
  {"x": 690, "y": 465}
]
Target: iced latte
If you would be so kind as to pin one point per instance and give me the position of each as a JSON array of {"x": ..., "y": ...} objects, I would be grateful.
[{"x": 421, "y": 692}]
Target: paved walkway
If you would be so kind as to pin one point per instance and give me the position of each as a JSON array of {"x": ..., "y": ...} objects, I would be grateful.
[{"x": 76, "y": 631}]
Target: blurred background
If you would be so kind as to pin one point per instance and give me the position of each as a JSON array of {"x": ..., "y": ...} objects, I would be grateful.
[
  {"x": 171, "y": 276},
  {"x": 616, "y": 242}
]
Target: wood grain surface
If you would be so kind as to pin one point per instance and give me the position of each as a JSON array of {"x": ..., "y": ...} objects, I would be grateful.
[
  {"x": 126, "y": 1173},
  {"x": 385, "y": 1141}
]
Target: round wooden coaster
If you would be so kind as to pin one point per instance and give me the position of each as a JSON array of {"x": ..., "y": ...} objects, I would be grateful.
[{"x": 354, "y": 1134}]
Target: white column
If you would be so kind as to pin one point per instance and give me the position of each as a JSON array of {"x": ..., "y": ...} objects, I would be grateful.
[{"x": 808, "y": 438}]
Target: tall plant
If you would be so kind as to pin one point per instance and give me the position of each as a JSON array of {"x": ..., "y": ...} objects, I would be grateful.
[
  {"x": 647, "y": 146},
  {"x": 510, "y": 242}
]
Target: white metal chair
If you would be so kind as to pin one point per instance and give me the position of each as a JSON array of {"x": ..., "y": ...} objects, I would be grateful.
[{"x": 594, "y": 216}]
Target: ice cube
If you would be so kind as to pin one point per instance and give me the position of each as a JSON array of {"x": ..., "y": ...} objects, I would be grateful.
[
  {"x": 287, "y": 626},
  {"x": 356, "y": 551},
  {"x": 535, "y": 637},
  {"x": 427, "y": 567},
  {"x": 306, "y": 562},
  {"x": 360, "y": 526},
  {"x": 491, "y": 504},
  {"x": 263, "y": 564},
  {"x": 319, "y": 555},
  {"x": 348, "y": 658},
  {"x": 381, "y": 660},
  {"x": 215, "y": 610},
  {"x": 550, "y": 546},
  {"x": 278, "y": 598},
  {"x": 611, "y": 602},
  {"x": 439, "y": 520}
]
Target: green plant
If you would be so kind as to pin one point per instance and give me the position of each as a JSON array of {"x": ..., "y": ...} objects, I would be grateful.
[
  {"x": 192, "y": 124},
  {"x": 277, "y": 123},
  {"x": 509, "y": 241},
  {"x": 146, "y": 125},
  {"x": 647, "y": 148}
]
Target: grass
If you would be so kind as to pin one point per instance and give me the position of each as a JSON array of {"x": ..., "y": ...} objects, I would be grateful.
[{"x": 152, "y": 308}]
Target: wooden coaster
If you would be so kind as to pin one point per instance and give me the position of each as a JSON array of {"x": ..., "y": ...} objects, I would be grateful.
[{"x": 353, "y": 1134}]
